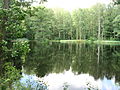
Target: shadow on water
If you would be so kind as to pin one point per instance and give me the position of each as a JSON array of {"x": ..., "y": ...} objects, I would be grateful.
[{"x": 100, "y": 62}]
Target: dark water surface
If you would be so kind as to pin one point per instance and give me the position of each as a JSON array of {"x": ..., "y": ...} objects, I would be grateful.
[{"x": 74, "y": 66}]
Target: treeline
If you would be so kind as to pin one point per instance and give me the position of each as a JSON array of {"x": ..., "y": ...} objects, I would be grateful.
[{"x": 100, "y": 22}]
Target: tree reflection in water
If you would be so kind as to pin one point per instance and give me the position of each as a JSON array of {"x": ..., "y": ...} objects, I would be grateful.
[{"x": 99, "y": 61}]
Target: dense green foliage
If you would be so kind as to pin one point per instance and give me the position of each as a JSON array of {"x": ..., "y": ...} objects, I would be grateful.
[
  {"x": 99, "y": 22},
  {"x": 13, "y": 48},
  {"x": 40, "y": 24},
  {"x": 20, "y": 22}
]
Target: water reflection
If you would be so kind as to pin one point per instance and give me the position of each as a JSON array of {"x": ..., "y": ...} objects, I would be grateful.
[
  {"x": 100, "y": 62},
  {"x": 31, "y": 82},
  {"x": 70, "y": 81}
]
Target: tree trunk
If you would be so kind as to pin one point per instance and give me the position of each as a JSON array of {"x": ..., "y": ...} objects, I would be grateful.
[
  {"x": 80, "y": 33},
  {"x": 76, "y": 34},
  {"x": 1, "y": 33},
  {"x": 6, "y": 4},
  {"x": 71, "y": 32},
  {"x": 102, "y": 33},
  {"x": 59, "y": 35},
  {"x": 99, "y": 28},
  {"x": 98, "y": 54}
]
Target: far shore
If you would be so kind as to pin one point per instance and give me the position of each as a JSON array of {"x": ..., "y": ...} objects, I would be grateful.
[{"x": 88, "y": 41}]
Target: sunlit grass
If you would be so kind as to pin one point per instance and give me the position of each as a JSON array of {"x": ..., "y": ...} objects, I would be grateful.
[{"x": 106, "y": 42}]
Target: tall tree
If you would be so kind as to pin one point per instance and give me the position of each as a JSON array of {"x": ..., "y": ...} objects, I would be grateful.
[{"x": 116, "y": 27}]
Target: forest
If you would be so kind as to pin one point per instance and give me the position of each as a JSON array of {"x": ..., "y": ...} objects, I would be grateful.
[
  {"x": 99, "y": 22},
  {"x": 21, "y": 23}
]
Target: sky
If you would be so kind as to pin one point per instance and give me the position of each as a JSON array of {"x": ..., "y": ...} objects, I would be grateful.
[{"x": 73, "y": 4}]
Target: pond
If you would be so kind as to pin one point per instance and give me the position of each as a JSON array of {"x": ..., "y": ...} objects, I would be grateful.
[{"x": 74, "y": 66}]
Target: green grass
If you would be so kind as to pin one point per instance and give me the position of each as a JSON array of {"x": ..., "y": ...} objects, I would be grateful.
[
  {"x": 104, "y": 42},
  {"x": 107, "y": 42},
  {"x": 68, "y": 41}
]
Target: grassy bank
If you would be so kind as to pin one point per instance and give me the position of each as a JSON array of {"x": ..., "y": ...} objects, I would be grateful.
[
  {"x": 68, "y": 41},
  {"x": 106, "y": 42}
]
